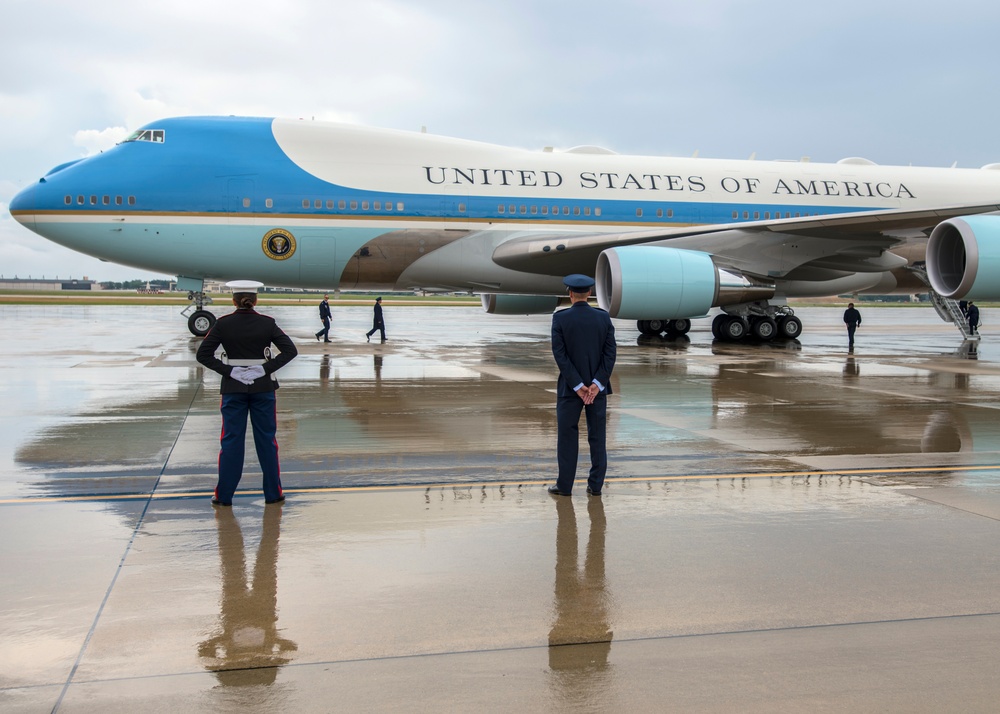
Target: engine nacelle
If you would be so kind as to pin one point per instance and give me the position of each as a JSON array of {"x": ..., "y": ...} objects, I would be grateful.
[
  {"x": 963, "y": 258},
  {"x": 519, "y": 304},
  {"x": 645, "y": 282}
]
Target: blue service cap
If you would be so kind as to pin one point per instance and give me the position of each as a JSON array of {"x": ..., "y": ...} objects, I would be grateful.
[{"x": 578, "y": 282}]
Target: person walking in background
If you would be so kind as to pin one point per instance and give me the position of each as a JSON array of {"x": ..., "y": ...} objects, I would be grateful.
[
  {"x": 584, "y": 348},
  {"x": 378, "y": 324},
  {"x": 247, "y": 389},
  {"x": 972, "y": 313},
  {"x": 325, "y": 315},
  {"x": 852, "y": 318}
]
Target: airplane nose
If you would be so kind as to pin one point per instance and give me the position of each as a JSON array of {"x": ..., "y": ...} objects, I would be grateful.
[{"x": 22, "y": 206}]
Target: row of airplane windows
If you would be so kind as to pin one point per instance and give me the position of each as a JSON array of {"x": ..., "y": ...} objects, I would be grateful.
[
  {"x": 104, "y": 200},
  {"x": 399, "y": 206}
]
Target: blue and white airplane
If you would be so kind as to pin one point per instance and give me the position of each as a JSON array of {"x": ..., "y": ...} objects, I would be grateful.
[{"x": 322, "y": 205}]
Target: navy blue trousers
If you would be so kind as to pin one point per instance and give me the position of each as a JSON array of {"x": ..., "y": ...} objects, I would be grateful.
[
  {"x": 568, "y": 447},
  {"x": 262, "y": 409}
]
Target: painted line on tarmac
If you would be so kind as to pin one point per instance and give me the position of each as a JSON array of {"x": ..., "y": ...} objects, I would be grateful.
[{"x": 481, "y": 484}]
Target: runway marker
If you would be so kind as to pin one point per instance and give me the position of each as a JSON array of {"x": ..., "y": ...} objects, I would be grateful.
[{"x": 480, "y": 484}]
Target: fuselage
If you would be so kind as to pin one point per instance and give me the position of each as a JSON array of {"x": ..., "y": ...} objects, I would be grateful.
[{"x": 322, "y": 205}]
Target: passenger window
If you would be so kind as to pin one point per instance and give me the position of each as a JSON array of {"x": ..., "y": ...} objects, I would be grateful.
[
  {"x": 576, "y": 210},
  {"x": 269, "y": 202},
  {"x": 501, "y": 209},
  {"x": 341, "y": 205},
  {"x": 354, "y": 205},
  {"x": 565, "y": 210},
  {"x": 638, "y": 213},
  {"x": 597, "y": 211},
  {"x": 461, "y": 207},
  {"x": 399, "y": 206},
  {"x": 545, "y": 210},
  {"x": 329, "y": 205},
  {"x": 131, "y": 200},
  {"x": 388, "y": 205},
  {"x": 118, "y": 200},
  {"x": 524, "y": 209},
  {"x": 305, "y": 203},
  {"x": 246, "y": 203},
  {"x": 68, "y": 200},
  {"x": 93, "y": 200},
  {"x": 106, "y": 200}
]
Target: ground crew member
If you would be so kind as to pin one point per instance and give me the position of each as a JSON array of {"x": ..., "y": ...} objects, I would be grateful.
[{"x": 852, "y": 318}]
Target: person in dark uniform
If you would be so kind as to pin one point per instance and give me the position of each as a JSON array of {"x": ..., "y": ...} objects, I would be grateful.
[
  {"x": 972, "y": 313},
  {"x": 377, "y": 322},
  {"x": 583, "y": 345},
  {"x": 852, "y": 318},
  {"x": 325, "y": 315},
  {"x": 247, "y": 388}
]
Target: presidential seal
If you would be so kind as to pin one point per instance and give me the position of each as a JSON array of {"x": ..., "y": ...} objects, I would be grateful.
[{"x": 278, "y": 244}]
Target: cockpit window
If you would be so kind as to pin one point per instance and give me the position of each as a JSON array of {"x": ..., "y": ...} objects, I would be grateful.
[{"x": 154, "y": 135}]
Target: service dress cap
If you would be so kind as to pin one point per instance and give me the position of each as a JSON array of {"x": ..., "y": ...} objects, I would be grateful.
[
  {"x": 244, "y": 286},
  {"x": 578, "y": 282}
]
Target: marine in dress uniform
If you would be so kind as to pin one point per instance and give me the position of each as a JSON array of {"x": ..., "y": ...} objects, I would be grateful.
[
  {"x": 583, "y": 345},
  {"x": 247, "y": 388}
]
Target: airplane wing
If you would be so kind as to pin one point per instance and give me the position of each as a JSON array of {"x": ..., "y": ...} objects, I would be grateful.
[{"x": 850, "y": 242}]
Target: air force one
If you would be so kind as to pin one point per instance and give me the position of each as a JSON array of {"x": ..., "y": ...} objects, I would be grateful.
[{"x": 322, "y": 205}]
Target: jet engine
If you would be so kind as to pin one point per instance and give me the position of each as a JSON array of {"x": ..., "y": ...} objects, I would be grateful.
[
  {"x": 963, "y": 258},
  {"x": 644, "y": 282},
  {"x": 519, "y": 304}
]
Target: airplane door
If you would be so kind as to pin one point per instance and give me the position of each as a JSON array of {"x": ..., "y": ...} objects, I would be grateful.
[
  {"x": 239, "y": 197},
  {"x": 318, "y": 261}
]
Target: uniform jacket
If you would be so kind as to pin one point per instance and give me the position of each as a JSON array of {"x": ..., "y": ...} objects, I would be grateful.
[
  {"x": 852, "y": 316},
  {"x": 377, "y": 318},
  {"x": 244, "y": 335},
  {"x": 583, "y": 344},
  {"x": 324, "y": 310}
]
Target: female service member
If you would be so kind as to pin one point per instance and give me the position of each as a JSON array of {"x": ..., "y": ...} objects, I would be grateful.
[{"x": 247, "y": 387}]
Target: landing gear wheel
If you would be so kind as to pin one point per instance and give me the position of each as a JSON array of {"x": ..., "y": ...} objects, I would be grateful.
[
  {"x": 656, "y": 327},
  {"x": 200, "y": 322},
  {"x": 717, "y": 324},
  {"x": 764, "y": 328},
  {"x": 735, "y": 329},
  {"x": 675, "y": 328},
  {"x": 789, "y": 327},
  {"x": 646, "y": 329}
]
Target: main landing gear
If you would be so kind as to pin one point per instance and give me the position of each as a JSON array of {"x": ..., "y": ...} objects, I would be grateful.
[
  {"x": 200, "y": 321},
  {"x": 672, "y": 328},
  {"x": 761, "y": 323}
]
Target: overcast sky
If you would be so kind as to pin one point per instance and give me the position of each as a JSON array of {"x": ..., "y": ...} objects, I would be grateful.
[{"x": 896, "y": 82}]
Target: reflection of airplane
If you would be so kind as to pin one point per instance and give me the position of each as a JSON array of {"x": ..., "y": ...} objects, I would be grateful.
[{"x": 315, "y": 204}]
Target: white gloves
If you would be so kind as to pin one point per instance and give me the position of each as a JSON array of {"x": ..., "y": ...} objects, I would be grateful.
[{"x": 247, "y": 375}]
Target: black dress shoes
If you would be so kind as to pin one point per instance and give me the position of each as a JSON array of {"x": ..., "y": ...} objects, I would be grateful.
[
  {"x": 591, "y": 492},
  {"x": 279, "y": 499},
  {"x": 217, "y": 502},
  {"x": 556, "y": 492}
]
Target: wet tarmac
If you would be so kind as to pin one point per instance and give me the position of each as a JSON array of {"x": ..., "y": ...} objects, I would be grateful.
[{"x": 786, "y": 527}]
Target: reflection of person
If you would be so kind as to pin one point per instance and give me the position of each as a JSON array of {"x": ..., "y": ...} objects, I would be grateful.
[
  {"x": 377, "y": 322},
  {"x": 580, "y": 638},
  {"x": 248, "y": 650},
  {"x": 247, "y": 388},
  {"x": 852, "y": 318},
  {"x": 973, "y": 315},
  {"x": 325, "y": 316},
  {"x": 583, "y": 345}
]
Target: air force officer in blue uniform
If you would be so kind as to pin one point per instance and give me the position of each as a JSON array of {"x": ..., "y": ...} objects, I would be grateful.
[
  {"x": 247, "y": 388},
  {"x": 583, "y": 344}
]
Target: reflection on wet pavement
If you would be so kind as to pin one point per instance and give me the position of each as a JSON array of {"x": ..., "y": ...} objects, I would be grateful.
[{"x": 762, "y": 500}]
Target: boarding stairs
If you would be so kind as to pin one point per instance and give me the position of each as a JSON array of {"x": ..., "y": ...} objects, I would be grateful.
[{"x": 947, "y": 309}]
